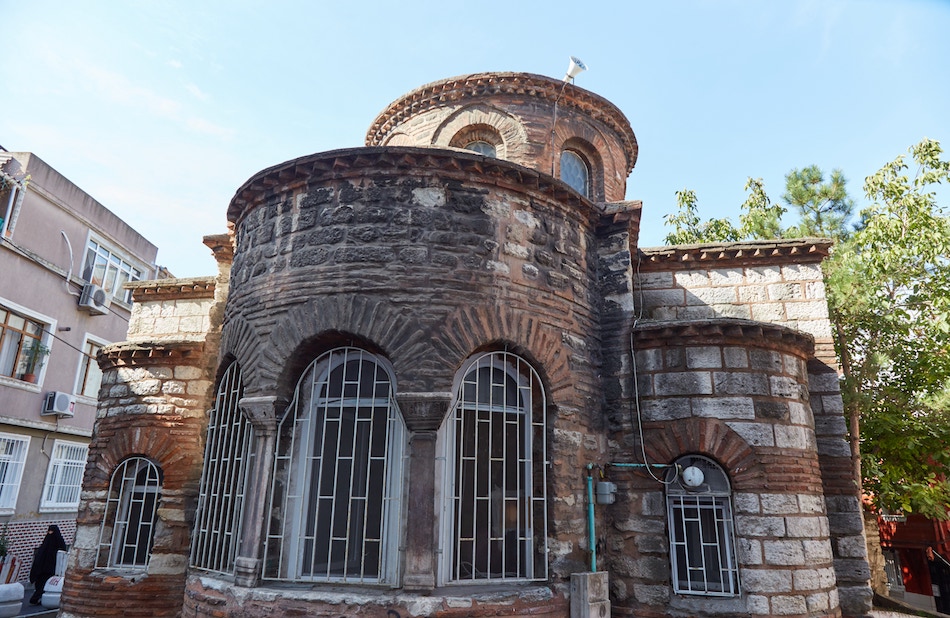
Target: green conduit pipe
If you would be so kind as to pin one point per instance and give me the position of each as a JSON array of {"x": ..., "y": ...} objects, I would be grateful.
[
  {"x": 591, "y": 541},
  {"x": 591, "y": 537}
]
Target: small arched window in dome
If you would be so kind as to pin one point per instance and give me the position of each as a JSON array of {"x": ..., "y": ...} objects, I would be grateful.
[
  {"x": 575, "y": 172},
  {"x": 481, "y": 147}
]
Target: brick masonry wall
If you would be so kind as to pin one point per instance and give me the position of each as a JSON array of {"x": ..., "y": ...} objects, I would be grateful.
[
  {"x": 780, "y": 283},
  {"x": 406, "y": 253},
  {"x": 152, "y": 403},
  {"x": 522, "y": 109},
  {"x": 26, "y": 536}
]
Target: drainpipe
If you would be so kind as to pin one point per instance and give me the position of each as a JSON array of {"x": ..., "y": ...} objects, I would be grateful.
[{"x": 591, "y": 539}]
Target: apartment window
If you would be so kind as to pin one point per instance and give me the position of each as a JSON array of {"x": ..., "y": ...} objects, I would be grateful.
[
  {"x": 22, "y": 351},
  {"x": 90, "y": 376},
  {"x": 228, "y": 456},
  {"x": 128, "y": 527},
  {"x": 12, "y": 458},
  {"x": 698, "y": 500},
  {"x": 496, "y": 480},
  {"x": 575, "y": 172},
  {"x": 64, "y": 476},
  {"x": 109, "y": 271},
  {"x": 336, "y": 498}
]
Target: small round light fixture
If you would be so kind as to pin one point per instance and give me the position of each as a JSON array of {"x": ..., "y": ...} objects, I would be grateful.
[{"x": 693, "y": 477}]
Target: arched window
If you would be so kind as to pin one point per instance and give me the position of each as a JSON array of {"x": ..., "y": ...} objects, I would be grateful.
[
  {"x": 496, "y": 510},
  {"x": 702, "y": 545},
  {"x": 228, "y": 456},
  {"x": 481, "y": 147},
  {"x": 336, "y": 498},
  {"x": 575, "y": 172},
  {"x": 128, "y": 527}
]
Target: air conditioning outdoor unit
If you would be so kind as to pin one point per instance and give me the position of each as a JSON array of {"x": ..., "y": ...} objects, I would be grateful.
[
  {"x": 94, "y": 299},
  {"x": 61, "y": 404}
]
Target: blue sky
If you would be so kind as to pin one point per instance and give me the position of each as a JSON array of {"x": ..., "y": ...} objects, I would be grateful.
[{"x": 161, "y": 110}]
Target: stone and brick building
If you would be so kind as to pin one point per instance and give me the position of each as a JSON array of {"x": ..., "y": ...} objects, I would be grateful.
[{"x": 420, "y": 362}]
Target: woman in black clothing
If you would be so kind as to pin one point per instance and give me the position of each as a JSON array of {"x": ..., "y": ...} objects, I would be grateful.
[{"x": 44, "y": 561}]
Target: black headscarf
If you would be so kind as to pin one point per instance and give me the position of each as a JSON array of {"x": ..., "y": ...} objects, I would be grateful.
[{"x": 44, "y": 559}]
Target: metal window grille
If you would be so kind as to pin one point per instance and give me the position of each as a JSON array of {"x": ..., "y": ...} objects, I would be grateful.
[
  {"x": 228, "y": 457},
  {"x": 335, "y": 501},
  {"x": 497, "y": 476},
  {"x": 12, "y": 458},
  {"x": 64, "y": 479},
  {"x": 701, "y": 533},
  {"x": 128, "y": 526}
]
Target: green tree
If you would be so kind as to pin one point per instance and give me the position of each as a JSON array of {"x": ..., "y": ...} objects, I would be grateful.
[
  {"x": 889, "y": 297},
  {"x": 823, "y": 206},
  {"x": 760, "y": 218}
]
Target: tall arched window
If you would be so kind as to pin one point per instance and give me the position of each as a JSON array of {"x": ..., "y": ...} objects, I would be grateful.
[
  {"x": 702, "y": 545},
  {"x": 338, "y": 477},
  {"x": 575, "y": 172},
  {"x": 496, "y": 511},
  {"x": 128, "y": 527},
  {"x": 228, "y": 456}
]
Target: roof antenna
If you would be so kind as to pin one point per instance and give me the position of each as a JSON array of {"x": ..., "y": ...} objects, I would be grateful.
[{"x": 574, "y": 69}]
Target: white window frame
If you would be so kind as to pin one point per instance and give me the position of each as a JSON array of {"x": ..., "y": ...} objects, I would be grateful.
[
  {"x": 85, "y": 362},
  {"x": 48, "y": 325},
  {"x": 64, "y": 477},
  {"x": 229, "y": 455},
  {"x": 114, "y": 263},
  {"x": 510, "y": 545},
  {"x": 701, "y": 530},
  {"x": 302, "y": 505},
  {"x": 131, "y": 513},
  {"x": 13, "y": 453}
]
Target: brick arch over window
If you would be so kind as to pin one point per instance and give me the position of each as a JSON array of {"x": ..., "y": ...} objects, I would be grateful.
[
  {"x": 488, "y": 327},
  {"x": 713, "y": 438},
  {"x": 266, "y": 360},
  {"x": 169, "y": 440},
  {"x": 511, "y": 132},
  {"x": 595, "y": 164},
  {"x": 400, "y": 139}
]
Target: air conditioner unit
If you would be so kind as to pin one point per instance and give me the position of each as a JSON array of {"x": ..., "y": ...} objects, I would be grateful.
[
  {"x": 94, "y": 299},
  {"x": 61, "y": 404}
]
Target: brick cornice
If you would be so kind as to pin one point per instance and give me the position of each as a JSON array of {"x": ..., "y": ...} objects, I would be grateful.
[
  {"x": 172, "y": 289},
  {"x": 456, "y": 89},
  {"x": 127, "y": 354},
  {"x": 756, "y": 252},
  {"x": 722, "y": 331},
  {"x": 402, "y": 161}
]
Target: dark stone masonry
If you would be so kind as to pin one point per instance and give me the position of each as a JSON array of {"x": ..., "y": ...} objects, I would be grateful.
[{"x": 419, "y": 361}]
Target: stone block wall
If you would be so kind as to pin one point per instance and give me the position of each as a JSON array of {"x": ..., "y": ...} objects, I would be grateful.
[{"x": 153, "y": 403}]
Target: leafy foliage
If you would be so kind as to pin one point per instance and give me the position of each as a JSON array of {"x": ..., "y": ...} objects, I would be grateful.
[
  {"x": 888, "y": 286},
  {"x": 889, "y": 296}
]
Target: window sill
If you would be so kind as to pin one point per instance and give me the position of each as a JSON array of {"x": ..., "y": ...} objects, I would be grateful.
[
  {"x": 59, "y": 509},
  {"x": 33, "y": 387}
]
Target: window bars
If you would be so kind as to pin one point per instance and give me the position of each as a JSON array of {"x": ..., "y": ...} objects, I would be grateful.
[
  {"x": 701, "y": 532},
  {"x": 12, "y": 457},
  {"x": 64, "y": 478},
  {"x": 128, "y": 528},
  {"x": 496, "y": 475},
  {"x": 228, "y": 456},
  {"x": 337, "y": 482}
]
